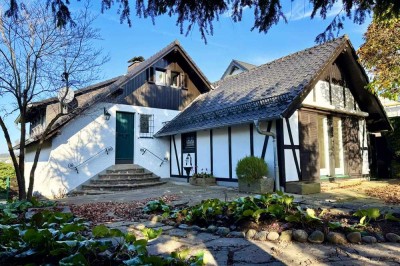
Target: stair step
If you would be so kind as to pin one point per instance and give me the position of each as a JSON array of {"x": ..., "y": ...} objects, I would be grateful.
[
  {"x": 90, "y": 192},
  {"x": 126, "y": 171},
  {"x": 125, "y": 175},
  {"x": 120, "y": 187},
  {"x": 118, "y": 180}
]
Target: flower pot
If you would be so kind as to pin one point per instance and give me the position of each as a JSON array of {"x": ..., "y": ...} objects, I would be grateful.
[{"x": 262, "y": 185}]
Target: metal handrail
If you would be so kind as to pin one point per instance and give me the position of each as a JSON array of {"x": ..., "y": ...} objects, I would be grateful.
[
  {"x": 144, "y": 150},
  {"x": 75, "y": 167}
]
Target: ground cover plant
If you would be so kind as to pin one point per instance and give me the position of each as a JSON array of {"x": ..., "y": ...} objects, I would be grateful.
[
  {"x": 278, "y": 212},
  {"x": 40, "y": 233}
]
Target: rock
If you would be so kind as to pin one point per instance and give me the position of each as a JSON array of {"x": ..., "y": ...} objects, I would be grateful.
[
  {"x": 184, "y": 226},
  {"x": 196, "y": 228},
  {"x": 233, "y": 227},
  {"x": 336, "y": 238},
  {"x": 140, "y": 226},
  {"x": 286, "y": 236},
  {"x": 171, "y": 223},
  {"x": 369, "y": 239},
  {"x": 178, "y": 233},
  {"x": 156, "y": 218},
  {"x": 236, "y": 234},
  {"x": 380, "y": 237},
  {"x": 394, "y": 238},
  {"x": 300, "y": 235},
  {"x": 273, "y": 236},
  {"x": 222, "y": 231},
  {"x": 261, "y": 236},
  {"x": 250, "y": 233},
  {"x": 316, "y": 237},
  {"x": 212, "y": 229},
  {"x": 354, "y": 237}
]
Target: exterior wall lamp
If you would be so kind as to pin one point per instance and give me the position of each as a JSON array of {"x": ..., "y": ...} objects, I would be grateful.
[{"x": 106, "y": 114}]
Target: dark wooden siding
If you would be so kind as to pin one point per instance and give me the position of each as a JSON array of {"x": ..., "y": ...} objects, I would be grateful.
[
  {"x": 351, "y": 145},
  {"x": 139, "y": 92},
  {"x": 309, "y": 155}
]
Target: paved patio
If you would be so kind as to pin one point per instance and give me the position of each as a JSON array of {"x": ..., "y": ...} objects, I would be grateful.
[{"x": 220, "y": 250}]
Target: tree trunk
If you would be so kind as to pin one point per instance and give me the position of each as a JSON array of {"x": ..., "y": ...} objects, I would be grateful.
[
  {"x": 18, "y": 174},
  {"x": 37, "y": 154}
]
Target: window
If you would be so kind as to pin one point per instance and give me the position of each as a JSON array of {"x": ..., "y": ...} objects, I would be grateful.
[
  {"x": 146, "y": 126},
  {"x": 175, "y": 79},
  {"x": 161, "y": 77},
  {"x": 189, "y": 142}
]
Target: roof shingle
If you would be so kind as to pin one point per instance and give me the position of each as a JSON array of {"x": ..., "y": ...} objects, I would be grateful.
[{"x": 286, "y": 76}]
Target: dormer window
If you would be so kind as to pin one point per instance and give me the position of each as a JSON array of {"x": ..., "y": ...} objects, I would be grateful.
[
  {"x": 175, "y": 79},
  {"x": 161, "y": 77}
]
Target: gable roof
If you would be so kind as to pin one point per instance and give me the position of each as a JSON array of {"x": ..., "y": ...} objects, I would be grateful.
[
  {"x": 111, "y": 86},
  {"x": 268, "y": 92},
  {"x": 239, "y": 64}
]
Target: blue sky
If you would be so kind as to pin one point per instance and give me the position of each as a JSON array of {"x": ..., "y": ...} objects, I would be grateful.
[{"x": 230, "y": 41}]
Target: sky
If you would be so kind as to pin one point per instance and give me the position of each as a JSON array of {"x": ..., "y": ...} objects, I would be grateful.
[{"x": 230, "y": 41}]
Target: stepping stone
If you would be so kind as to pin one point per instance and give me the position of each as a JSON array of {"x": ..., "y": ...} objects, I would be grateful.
[
  {"x": 354, "y": 237},
  {"x": 286, "y": 236},
  {"x": 316, "y": 237},
  {"x": 300, "y": 235},
  {"x": 369, "y": 239},
  {"x": 251, "y": 233},
  {"x": 261, "y": 236},
  {"x": 336, "y": 238},
  {"x": 273, "y": 236},
  {"x": 394, "y": 238}
]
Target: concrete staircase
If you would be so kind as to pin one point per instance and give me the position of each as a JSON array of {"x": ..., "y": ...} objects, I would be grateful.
[{"x": 118, "y": 178}]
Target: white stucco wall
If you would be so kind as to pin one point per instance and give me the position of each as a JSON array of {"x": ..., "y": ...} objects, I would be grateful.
[
  {"x": 259, "y": 143},
  {"x": 290, "y": 165},
  {"x": 88, "y": 134},
  {"x": 203, "y": 151},
  {"x": 220, "y": 152},
  {"x": 240, "y": 145},
  {"x": 319, "y": 96},
  {"x": 174, "y": 164}
]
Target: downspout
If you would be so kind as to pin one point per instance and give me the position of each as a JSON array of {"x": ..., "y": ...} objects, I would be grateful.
[{"x": 276, "y": 168}]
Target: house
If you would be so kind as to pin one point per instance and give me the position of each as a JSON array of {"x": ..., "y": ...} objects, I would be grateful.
[
  {"x": 236, "y": 67},
  {"x": 165, "y": 116},
  {"x": 117, "y": 122},
  {"x": 314, "y": 103}
]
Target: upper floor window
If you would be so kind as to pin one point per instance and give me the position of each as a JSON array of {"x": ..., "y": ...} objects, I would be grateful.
[
  {"x": 175, "y": 79},
  {"x": 146, "y": 126},
  {"x": 161, "y": 77}
]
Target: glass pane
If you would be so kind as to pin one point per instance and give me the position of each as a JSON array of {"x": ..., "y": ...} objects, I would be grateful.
[
  {"x": 321, "y": 142},
  {"x": 144, "y": 123},
  {"x": 175, "y": 79},
  {"x": 160, "y": 77}
]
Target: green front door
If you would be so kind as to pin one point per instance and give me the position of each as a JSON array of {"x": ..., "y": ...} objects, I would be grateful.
[{"x": 124, "y": 138}]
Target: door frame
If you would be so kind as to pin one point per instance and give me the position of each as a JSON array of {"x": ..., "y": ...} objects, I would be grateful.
[{"x": 133, "y": 137}]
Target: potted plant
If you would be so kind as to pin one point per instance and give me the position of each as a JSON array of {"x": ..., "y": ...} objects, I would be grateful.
[
  {"x": 251, "y": 172},
  {"x": 202, "y": 179}
]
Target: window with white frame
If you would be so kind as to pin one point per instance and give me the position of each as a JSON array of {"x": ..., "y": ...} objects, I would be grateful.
[
  {"x": 161, "y": 77},
  {"x": 146, "y": 126}
]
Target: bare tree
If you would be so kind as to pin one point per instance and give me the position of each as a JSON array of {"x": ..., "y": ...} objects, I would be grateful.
[{"x": 37, "y": 58}]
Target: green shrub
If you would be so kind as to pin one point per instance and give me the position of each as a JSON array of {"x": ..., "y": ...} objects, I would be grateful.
[
  {"x": 5, "y": 171},
  {"x": 251, "y": 168}
]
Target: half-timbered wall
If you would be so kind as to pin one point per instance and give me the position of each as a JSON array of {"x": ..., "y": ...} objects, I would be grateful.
[{"x": 219, "y": 150}]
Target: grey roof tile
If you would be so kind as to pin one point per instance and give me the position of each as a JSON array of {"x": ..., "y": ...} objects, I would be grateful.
[{"x": 278, "y": 83}]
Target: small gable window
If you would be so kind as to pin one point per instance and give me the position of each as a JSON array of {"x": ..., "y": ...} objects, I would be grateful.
[
  {"x": 146, "y": 126},
  {"x": 175, "y": 79},
  {"x": 161, "y": 77}
]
